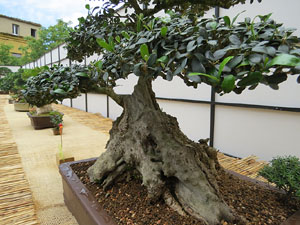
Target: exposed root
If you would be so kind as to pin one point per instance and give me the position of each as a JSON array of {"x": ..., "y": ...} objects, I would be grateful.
[
  {"x": 172, "y": 203},
  {"x": 113, "y": 175}
]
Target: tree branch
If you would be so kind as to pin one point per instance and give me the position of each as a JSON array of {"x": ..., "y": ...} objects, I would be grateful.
[
  {"x": 111, "y": 93},
  {"x": 136, "y": 6}
]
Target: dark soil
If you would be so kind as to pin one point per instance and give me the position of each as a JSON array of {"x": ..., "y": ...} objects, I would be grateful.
[{"x": 127, "y": 201}]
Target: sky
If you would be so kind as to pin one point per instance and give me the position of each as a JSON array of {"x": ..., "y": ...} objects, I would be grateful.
[{"x": 46, "y": 12}]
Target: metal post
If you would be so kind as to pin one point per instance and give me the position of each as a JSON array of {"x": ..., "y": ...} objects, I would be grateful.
[
  {"x": 51, "y": 58},
  {"x": 107, "y": 106},
  {"x": 86, "y": 102},
  {"x": 71, "y": 101},
  {"x": 212, "y": 117},
  {"x": 58, "y": 55}
]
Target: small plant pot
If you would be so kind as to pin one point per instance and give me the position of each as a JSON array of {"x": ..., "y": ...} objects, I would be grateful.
[
  {"x": 21, "y": 107},
  {"x": 56, "y": 131},
  {"x": 67, "y": 158},
  {"x": 40, "y": 122}
]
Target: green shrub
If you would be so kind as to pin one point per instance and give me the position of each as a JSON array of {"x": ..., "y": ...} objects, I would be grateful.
[
  {"x": 56, "y": 118},
  {"x": 284, "y": 172}
]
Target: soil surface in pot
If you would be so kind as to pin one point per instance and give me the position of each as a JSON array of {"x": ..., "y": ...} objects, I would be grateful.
[{"x": 127, "y": 201}]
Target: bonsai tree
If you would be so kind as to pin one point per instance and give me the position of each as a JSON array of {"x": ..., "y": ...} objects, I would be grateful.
[
  {"x": 13, "y": 82},
  {"x": 226, "y": 55},
  {"x": 53, "y": 85},
  {"x": 56, "y": 118}
]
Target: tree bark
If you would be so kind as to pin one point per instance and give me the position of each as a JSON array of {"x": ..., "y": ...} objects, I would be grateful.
[{"x": 172, "y": 166}]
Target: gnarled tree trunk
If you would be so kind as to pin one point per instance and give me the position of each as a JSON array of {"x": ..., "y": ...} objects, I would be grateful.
[{"x": 172, "y": 166}]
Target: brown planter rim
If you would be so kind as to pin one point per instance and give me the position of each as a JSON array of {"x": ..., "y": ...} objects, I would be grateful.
[
  {"x": 87, "y": 210},
  {"x": 17, "y": 104},
  {"x": 80, "y": 202},
  {"x": 40, "y": 122}
]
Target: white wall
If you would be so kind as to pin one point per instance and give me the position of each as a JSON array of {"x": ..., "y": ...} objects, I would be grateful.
[
  {"x": 12, "y": 68},
  {"x": 264, "y": 133}
]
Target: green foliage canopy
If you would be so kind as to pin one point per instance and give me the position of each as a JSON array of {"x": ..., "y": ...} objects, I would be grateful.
[
  {"x": 55, "y": 84},
  {"x": 226, "y": 55}
]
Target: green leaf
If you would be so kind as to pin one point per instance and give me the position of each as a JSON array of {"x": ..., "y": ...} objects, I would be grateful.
[
  {"x": 81, "y": 74},
  {"x": 139, "y": 23},
  {"x": 276, "y": 78},
  {"x": 191, "y": 46},
  {"x": 169, "y": 76},
  {"x": 87, "y": 6},
  {"x": 181, "y": 67},
  {"x": 235, "y": 18},
  {"x": 142, "y": 41},
  {"x": 234, "y": 40},
  {"x": 212, "y": 25},
  {"x": 196, "y": 79},
  {"x": 105, "y": 45},
  {"x": 152, "y": 60},
  {"x": 163, "y": 31},
  {"x": 223, "y": 63},
  {"x": 255, "y": 58},
  {"x": 197, "y": 66},
  {"x": 251, "y": 79},
  {"x": 235, "y": 61},
  {"x": 228, "y": 83},
  {"x": 163, "y": 59},
  {"x": 105, "y": 76},
  {"x": 125, "y": 35},
  {"x": 206, "y": 75},
  {"x": 264, "y": 18},
  {"x": 136, "y": 69},
  {"x": 59, "y": 91},
  {"x": 219, "y": 54},
  {"x": 99, "y": 64},
  {"x": 284, "y": 60},
  {"x": 144, "y": 52},
  {"x": 118, "y": 39},
  {"x": 227, "y": 21}
]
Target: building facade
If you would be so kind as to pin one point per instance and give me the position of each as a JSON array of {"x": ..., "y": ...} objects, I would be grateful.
[{"x": 13, "y": 31}]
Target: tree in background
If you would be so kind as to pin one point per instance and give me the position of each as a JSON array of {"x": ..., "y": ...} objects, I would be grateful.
[
  {"x": 49, "y": 38},
  {"x": 6, "y": 59},
  {"x": 226, "y": 55}
]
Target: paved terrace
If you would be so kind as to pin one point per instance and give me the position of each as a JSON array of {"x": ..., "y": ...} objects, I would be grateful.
[{"x": 30, "y": 185}]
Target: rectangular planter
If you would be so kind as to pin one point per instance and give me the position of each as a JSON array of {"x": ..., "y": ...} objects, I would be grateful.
[
  {"x": 40, "y": 122},
  {"x": 80, "y": 201},
  {"x": 21, "y": 107},
  {"x": 88, "y": 211}
]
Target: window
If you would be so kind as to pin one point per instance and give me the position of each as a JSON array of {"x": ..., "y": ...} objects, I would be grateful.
[
  {"x": 33, "y": 32},
  {"x": 15, "y": 29},
  {"x": 16, "y": 55}
]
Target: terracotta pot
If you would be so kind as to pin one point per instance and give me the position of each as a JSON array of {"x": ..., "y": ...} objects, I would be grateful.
[
  {"x": 56, "y": 131},
  {"x": 86, "y": 209},
  {"x": 40, "y": 122},
  {"x": 21, "y": 107}
]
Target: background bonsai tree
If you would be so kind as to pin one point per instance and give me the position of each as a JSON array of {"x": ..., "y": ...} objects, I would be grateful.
[
  {"x": 226, "y": 55},
  {"x": 13, "y": 83},
  {"x": 55, "y": 84}
]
